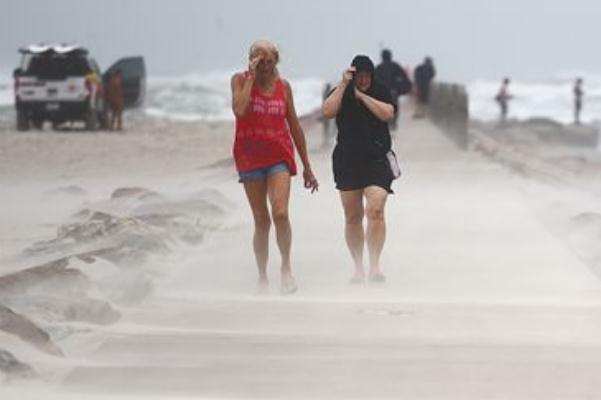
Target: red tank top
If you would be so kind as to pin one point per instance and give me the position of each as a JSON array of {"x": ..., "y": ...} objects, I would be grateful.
[{"x": 262, "y": 135}]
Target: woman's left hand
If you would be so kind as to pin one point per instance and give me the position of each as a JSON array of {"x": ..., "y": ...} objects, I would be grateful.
[
  {"x": 310, "y": 180},
  {"x": 359, "y": 95}
]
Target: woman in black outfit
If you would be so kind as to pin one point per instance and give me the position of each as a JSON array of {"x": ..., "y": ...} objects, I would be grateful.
[{"x": 362, "y": 108}]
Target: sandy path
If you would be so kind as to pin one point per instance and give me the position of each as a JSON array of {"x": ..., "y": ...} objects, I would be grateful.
[{"x": 482, "y": 301}]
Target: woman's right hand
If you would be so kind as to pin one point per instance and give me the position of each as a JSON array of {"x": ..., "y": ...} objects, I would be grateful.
[
  {"x": 347, "y": 76},
  {"x": 252, "y": 65}
]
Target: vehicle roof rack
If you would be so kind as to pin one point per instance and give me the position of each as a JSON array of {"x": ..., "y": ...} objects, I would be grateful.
[{"x": 58, "y": 49}]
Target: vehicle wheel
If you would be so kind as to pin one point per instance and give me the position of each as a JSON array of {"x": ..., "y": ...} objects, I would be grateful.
[
  {"x": 22, "y": 121},
  {"x": 91, "y": 120},
  {"x": 38, "y": 124}
]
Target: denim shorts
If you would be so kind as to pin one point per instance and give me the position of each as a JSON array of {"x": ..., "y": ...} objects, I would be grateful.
[{"x": 263, "y": 172}]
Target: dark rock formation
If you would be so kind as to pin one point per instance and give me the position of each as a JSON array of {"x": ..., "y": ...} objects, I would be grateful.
[
  {"x": 28, "y": 331},
  {"x": 13, "y": 368}
]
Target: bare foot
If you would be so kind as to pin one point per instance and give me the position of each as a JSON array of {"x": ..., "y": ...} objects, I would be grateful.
[
  {"x": 263, "y": 285},
  {"x": 289, "y": 285},
  {"x": 376, "y": 276},
  {"x": 358, "y": 277}
]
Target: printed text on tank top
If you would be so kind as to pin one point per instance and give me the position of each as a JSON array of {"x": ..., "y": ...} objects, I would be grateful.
[{"x": 262, "y": 135}]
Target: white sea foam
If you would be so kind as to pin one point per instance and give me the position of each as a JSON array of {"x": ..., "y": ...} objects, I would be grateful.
[
  {"x": 207, "y": 97},
  {"x": 552, "y": 98},
  {"x": 6, "y": 92},
  {"x": 191, "y": 97},
  {"x": 196, "y": 97}
]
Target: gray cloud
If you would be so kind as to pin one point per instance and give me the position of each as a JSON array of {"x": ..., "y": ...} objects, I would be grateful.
[{"x": 467, "y": 38}]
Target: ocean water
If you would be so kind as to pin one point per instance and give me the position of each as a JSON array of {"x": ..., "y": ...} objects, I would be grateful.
[
  {"x": 551, "y": 98},
  {"x": 190, "y": 97},
  {"x": 206, "y": 97},
  {"x": 6, "y": 92}
]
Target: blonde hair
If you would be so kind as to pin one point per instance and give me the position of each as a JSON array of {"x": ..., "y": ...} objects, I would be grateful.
[{"x": 264, "y": 45}]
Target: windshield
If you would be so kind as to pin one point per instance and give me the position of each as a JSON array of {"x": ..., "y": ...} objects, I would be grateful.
[{"x": 54, "y": 66}]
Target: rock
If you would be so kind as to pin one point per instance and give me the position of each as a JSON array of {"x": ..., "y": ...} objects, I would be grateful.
[
  {"x": 72, "y": 190},
  {"x": 584, "y": 234},
  {"x": 449, "y": 109},
  {"x": 588, "y": 219},
  {"x": 107, "y": 236},
  {"x": 54, "y": 272},
  {"x": 138, "y": 192},
  {"x": 13, "y": 368},
  {"x": 52, "y": 308},
  {"x": 22, "y": 327},
  {"x": 541, "y": 123}
]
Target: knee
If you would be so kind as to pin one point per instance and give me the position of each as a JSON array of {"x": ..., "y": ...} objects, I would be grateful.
[
  {"x": 354, "y": 218},
  {"x": 262, "y": 223},
  {"x": 280, "y": 216},
  {"x": 375, "y": 214}
]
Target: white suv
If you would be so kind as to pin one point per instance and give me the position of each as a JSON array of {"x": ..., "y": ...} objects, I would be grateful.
[{"x": 63, "y": 83}]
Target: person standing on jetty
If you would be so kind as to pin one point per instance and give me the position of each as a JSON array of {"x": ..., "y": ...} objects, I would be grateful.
[
  {"x": 578, "y": 95},
  {"x": 423, "y": 75},
  {"x": 114, "y": 98},
  {"x": 266, "y": 127},
  {"x": 393, "y": 77},
  {"x": 362, "y": 108},
  {"x": 503, "y": 98}
]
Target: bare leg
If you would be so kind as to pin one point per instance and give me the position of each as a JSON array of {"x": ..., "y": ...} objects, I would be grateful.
[
  {"x": 120, "y": 120},
  {"x": 112, "y": 121},
  {"x": 278, "y": 190},
  {"x": 352, "y": 202},
  {"x": 376, "y": 228},
  {"x": 256, "y": 192}
]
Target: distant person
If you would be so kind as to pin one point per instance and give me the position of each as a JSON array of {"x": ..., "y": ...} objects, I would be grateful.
[
  {"x": 266, "y": 127},
  {"x": 114, "y": 98},
  {"x": 578, "y": 95},
  {"x": 393, "y": 77},
  {"x": 363, "y": 108},
  {"x": 423, "y": 76},
  {"x": 326, "y": 121},
  {"x": 503, "y": 98}
]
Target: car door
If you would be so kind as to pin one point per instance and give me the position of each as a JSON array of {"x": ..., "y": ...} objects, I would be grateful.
[{"x": 133, "y": 74}]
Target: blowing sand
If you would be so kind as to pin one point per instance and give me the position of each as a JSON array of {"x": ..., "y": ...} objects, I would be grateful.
[{"x": 485, "y": 297}]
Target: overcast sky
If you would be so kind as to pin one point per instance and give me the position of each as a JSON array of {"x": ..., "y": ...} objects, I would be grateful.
[{"x": 468, "y": 39}]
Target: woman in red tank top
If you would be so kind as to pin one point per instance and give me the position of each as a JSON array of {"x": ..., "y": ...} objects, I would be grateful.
[{"x": 267, "y": 131}]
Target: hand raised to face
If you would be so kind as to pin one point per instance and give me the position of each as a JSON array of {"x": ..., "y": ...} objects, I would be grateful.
[
  {"x": 253, "y": 63},
  {"x": 347, "y": 76}
]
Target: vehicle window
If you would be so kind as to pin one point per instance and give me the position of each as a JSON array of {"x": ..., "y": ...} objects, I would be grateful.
[
  {"x": 25, "y": 60},
  {"x": 77, "y": 66},
  {"x": 130, "y": 68},
  {"x": 57, "y": 66},
  {"x": 94, "y": 66}
]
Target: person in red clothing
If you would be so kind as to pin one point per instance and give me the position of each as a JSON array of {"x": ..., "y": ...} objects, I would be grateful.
[
  {"x": 267, "y": 131},
  {"x": 114, "y": 98}
]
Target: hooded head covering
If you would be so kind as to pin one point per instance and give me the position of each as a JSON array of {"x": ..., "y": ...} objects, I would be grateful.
[{"x": 363, "y": 63}]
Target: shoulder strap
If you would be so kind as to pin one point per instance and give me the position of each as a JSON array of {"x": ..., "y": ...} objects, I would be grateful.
[{"x": 281, "y": 87}]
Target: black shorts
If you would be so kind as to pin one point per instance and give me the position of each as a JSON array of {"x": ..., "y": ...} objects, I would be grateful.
[{"x": 354, "y": 174}]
